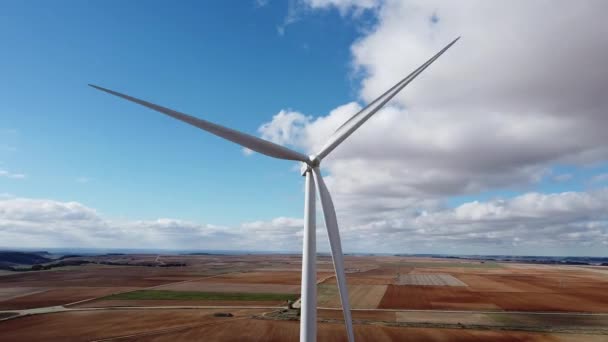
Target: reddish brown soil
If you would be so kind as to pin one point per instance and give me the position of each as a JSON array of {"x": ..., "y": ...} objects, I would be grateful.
[
  {"x": 544, "y": 302},
  {"x": 360, "y": 280},
  {"x": 58, "y": 296},
  {"x": 287, "y": 278},
  {"x": 360, "y": 296},
  {"x": 387, "y": 316},
  {"x": 155, "y": 302},
  {"x": 503, "y": 292},
  {"x": 255, "y": 330},
  {"x": 200, "y": 325},
  {"x": 405, "y": 297},
  {"x": 7, "y": 293},
  {"x": 433, "y": 297},
  {"x": 91, "y": 325},
  {"x": 375, "y": 276},
  {"x": 128, "y": 276},
  {"x": 206, "y": 286}
]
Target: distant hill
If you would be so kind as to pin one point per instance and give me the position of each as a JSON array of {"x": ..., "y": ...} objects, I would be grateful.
[{"x": 8, "y": 258}]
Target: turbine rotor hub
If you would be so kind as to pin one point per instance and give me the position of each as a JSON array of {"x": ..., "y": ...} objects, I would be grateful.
[{"x": 313, "y": 161}]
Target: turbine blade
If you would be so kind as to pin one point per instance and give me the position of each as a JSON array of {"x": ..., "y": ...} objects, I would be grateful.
[
  {"x": 254, "y": 143},
  {"x": 351, "y": 125},
  {"x": 331, "y": 222}
]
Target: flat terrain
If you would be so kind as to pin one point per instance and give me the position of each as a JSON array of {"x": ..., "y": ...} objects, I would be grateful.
[
  {"x": 197, "y": 295},
  {"x": 192, "y": 325},
  {"x": 429, "y": 280},
  {"x": 176, "y": 297}
]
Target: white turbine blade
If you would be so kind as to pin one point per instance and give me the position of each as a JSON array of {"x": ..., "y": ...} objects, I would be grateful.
[
  {"x": 331, "y": 222},
  {"x": 254, "y": 143},
  {"x": 359, "y": 119}
]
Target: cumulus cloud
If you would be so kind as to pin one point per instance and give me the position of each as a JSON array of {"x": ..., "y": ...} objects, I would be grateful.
[
  {"x": 496, "y": 111},
  {"x": 521, "y": 92},
  {"x": 26, "y": 222},
  {"x": 532, "y": 220}
]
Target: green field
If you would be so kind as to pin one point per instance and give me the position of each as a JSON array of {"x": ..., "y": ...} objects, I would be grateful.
[{"x": 194, "y": 295}]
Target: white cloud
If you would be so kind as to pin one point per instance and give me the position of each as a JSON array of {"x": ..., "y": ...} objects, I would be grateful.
[
  {"x": 344, "y": 6},
  {"x": 12, "y": 175},
  {"x": 499, "y": 110},
  {"x": 26, "y": 222},
  {"x": 261, "y": 3},
  {"x": 565, "y": 220},
  {"x": 496, "y": 111},
  {"x": 521, "y": 92},
  {"x": 83, "y": 179},
  {"x": 294, "y": 11}
]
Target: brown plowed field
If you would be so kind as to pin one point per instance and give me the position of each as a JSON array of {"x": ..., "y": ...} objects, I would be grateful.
[
  {"x": 371, "y": 280},
  {"x": 285, "y": 278},
  {"x": 504, "y": 292},
  {"x": 103, "y": 303},
  {"x": 433, "y": 297},
  {"x": 355, "y": 280},
  {"x": 200, "y": 325},
  {"x": 385, "y": 316},
  {"x": 544, "y": 302},
  {"x": 91, "y": 325},
  {"x": 376, "y": 276},
  {"x": 360, "y": 296},
  {"x": 194, "y": 325},
  {"x": 483, "y": 283},
  {"x": 128, "y": 276},
  {"x": 7, "y": 293},
  {"x": 405, "y": 297},
  {"x": 206, "y": 286},
  {"x": 58, "y": 296}
]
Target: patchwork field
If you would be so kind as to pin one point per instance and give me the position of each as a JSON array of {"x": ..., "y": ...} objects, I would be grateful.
[
  {"x": 460, "y": 300},
  {"x": 429, "y": 280},
  {"x": 360, "y": 296},
  {"x": 210, "y": 286},
  {"x": 58, "y": 296}
]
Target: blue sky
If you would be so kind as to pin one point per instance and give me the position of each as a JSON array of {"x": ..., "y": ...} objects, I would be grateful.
[
  {"x": 227, "y": 64},
  {"x": 467, "y": 144}
]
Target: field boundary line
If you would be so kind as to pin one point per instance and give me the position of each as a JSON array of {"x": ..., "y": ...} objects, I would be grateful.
[
  {"x": 146, "y": 288},
  {"x": 480, "y": 312}
]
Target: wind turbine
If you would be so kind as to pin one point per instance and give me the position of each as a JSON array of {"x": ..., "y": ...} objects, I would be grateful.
[{"x": 310, "y": 169}]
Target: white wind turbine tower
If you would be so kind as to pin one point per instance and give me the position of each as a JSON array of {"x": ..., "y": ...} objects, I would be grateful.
[{"x": 310, "y": 169}]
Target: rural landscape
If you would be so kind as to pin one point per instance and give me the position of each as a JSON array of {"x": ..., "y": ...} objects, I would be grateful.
[
  {"x": 304, "y": 170},
  {"x": 157, "y": 297}
]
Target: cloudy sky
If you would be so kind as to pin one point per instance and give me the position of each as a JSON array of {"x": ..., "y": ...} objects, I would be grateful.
[{"x": 500, "y": 147}]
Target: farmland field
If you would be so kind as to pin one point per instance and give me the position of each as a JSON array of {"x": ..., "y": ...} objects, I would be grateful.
[
  {"x": 461, "y": 300},
  {"x": 429, "y": 279},
  {"x": 191, "y": 295}
]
